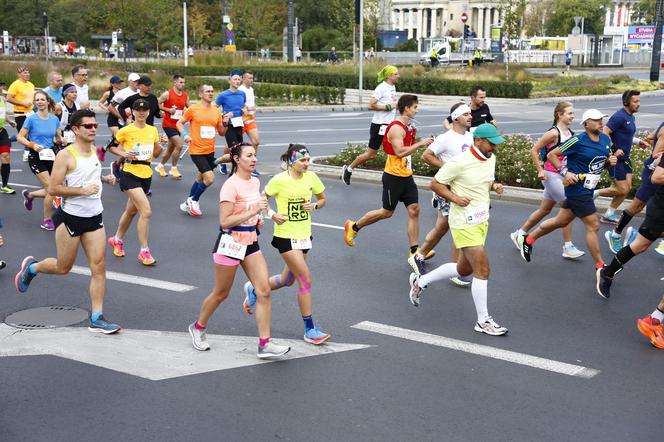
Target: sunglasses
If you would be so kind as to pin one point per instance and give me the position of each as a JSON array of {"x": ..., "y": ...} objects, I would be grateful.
[{"x": 89, "y": 125}]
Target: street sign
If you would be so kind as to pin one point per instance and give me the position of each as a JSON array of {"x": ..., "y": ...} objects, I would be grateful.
[
  {"x": 114, "y": 38},
  {"x": 464, "y": 17}
]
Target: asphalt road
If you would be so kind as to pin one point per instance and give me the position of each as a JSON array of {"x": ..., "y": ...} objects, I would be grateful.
[{"x": 396, "y": 389}]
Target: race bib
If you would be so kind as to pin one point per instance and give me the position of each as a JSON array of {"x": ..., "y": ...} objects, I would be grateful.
[
  {"x": 178, "y": 114},
  {"x": 3, "y": 113},
  {"x": 591, "y": 181},
  {"x": 69, "y": 137},
  {"x": 409, "y": 162},
  {"x": 47, "y": 155},
  {"x": 237, "y": 122},
  {"x": 98, "y": 183},
  {"x": 477, "y": 214},
  {"x": 207, "y": 132},
  {"x": 382, "y": 129},
  {"x": 229, "y": 247},
  {"x": 143, "y": 152},
  {"x": 301, "y": 244}
]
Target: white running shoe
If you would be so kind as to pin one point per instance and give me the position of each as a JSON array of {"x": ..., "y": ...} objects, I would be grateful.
[
  {"x": 490, "y": 327},
  {"x": 571, "y": 252},
  {"x": 514, "y": 236},
  {"x": 185, "y": 207},
  {"x": 415, "y": 289},
  {"x": 198, "y": 338},
  {"x": 460, "y": 282},
  {"x": 272, "y": 350},
  {"x": 194, "y": 208}
]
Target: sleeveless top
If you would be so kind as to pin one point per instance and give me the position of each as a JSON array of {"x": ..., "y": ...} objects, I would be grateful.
[
  {"x": 179, "y": 102},
  {"x": 87, "y": 171},
  {"x": 562, "y": 138},
  {"x": 401, "y": 167}
]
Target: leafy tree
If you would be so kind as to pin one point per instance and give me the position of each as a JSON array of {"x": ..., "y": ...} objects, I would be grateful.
[
  {"x": 644, "y": 12},
  {"x": 561, "y": 18},
  {"x": 513, "y": 11}
]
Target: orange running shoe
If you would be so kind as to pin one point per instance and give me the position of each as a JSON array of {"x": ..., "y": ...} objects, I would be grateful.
[
  {"x": 117, "y": 245},
  {"x": 145, "y": 258},
  {"x": 651, "y": 328},
  {"x": 349, "y": 233}
]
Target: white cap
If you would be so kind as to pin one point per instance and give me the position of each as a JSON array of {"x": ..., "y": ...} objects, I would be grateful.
[
  {"x": 592, "y": 114},
  {"x": 134, "y": 77}
]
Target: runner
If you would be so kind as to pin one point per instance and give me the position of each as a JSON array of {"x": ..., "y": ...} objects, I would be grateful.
[
  {"x": 643, "y": 194},
  {"x": 249, "y": 117},
  {"x": 204, "y": 120},
  {"x": 233, "y": 104},
  {"x": 445, "y": 147},
  {"x": 144, "y": 93},
  {"x": 173, "y": 103},
  {"x": 237, "y": 244},
  {"x": 77, "y": 179},
  {"x": 54, "y": 88},
  {"x": 21, "y": 95},
  {"x": 79, "y": 74},
  {"x": 465, "y": 181},
  {"x": 39, "y": 133},
  {"x": 292, "y": 190},
  {"x": 478, "y": 108},
  {"x": 118, "y": 120},
  {"x": 138, "y": 145},
  {"x": 398, "y": 183},
  {"x": 587, "y": 155},
  {"x": 3, "y": 264},
  {"x": 554, "y": 190},
  {"x": 65, "y": 109},
  {"x": 621, "y": 127},
  {"x": 384, "y": 104},
  {"x": 115, "y": 86},
  {"x": 5, "y": 148}
]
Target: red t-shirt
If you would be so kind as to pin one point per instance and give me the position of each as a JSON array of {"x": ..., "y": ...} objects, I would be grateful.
[{"x": 178, "y": 102}]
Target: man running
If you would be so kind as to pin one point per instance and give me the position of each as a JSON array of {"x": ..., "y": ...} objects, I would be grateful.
[
  {"x": 587, "y": 156},
  {"x": 5, "y": 148},
  {"x": 250, "y": 127},
  {"x": 465, "y": 181},
  {"x": 76, "y": 177},
  {"x": 172, "y": 103},
  {"x": 21, "y": 94},
  {"x": 205, "y": 121},
  {"x": 144, "y": 85},
  {"x": 54, "y": 88},
  {"x": 233, "y": 104},
  {"x": 398, "y": 183},
  {"x": 122, "y": 95},
  {"x": 478, "y": 109},
  {"x": 384, "y": 103},
  {"x": 80, "y": 75}
]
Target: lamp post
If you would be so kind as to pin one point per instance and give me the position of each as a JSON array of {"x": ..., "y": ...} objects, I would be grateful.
[
  {"x": 186, "y": 43},
  {"x": 657, "y": 42}
]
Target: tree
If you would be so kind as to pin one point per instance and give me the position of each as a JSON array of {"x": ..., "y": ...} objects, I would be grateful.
[
  {"x": 644, "y": 12},
  {"x": 534, "y": 20},
  {"x": 513, "y": 12},
  {"x": 561, "y": 18}
]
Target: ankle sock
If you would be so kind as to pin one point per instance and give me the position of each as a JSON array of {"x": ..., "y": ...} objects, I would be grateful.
[
  {"x": 263, "y": 341},
  {"x": 529, "y": 240},
  {"x": 4, "y": 171},
  {"x": 414, "y": 248},
  {"x": 308, "y": 322},
  {"x": 355, "y": 227},
  {"x": 31, "y": 268},
  {"x": 95, "y": 315},
  {"x": 199, "y": 326},
  {"x": 658, "y": 314}
]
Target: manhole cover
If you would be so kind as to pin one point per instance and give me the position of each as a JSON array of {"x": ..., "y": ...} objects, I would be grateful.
[{"x": 47, "y": 317}]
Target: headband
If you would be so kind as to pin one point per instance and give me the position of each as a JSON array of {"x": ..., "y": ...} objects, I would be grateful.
[
  {"x": 386, "y": 72},
  {"x": 236, "y": 72},
  {"x": 463, "y": 109},
  {"x": 298, "y": 154},
  {"x": 68, "y": 89}
]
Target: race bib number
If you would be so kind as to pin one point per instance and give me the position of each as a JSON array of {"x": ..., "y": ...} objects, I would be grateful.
[
  {"x": 382, "y": 129},
  {"x": 229, "y": 247},
  {"x": 69, "y": 137},
  {"x": 207, "y": 132},
  {"x": 3, "y": 113},
  {"x": 301, "y": 244},
  {"x": 296, "y": 211},
  {"x": 29, "y": 113},
  {"x": 477, "y": 214},
  {"x": 90, "y": 183},
  {"x": 47, "y": 155},
  {"x": 409, "y": 162},
  {"x": 142, "y": 152},
  {"x": 178, "y": 114},
  {"x": 591, "y": 181},
  {"x": 237, "y": 122}
]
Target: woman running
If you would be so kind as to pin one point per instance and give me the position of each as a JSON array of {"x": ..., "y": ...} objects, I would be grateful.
[
  {"x": 292, "y": 233},
  {"x": 554, "y": 191},
  {"x": 237, "y": 244},
  {"x": 105, "y": 100},
  {"x": 65, "y": 109},
  {"x": 39, "y": 133}
]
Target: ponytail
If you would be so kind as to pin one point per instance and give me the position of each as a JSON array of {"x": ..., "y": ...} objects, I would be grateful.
[{"x": 236, "y": 150}]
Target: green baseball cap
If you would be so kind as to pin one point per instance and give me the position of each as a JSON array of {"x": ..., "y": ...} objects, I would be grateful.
[{"x": 490, "y": 132}]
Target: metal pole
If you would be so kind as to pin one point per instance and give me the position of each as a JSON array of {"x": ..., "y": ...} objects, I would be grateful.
[
  {"x": 46, "y": 34},
  {"x": 186, "y": 43},
  {"x": 289, "y": 33},
  {"x": 361, "y": 54},
  {"x": 657, "y": 42}
]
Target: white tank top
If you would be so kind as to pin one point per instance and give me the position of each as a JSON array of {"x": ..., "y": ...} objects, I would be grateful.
[{"x": 87, "y": 171}]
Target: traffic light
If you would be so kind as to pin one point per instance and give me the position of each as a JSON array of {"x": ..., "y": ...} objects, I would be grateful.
[{"x": 466, "y": 31}]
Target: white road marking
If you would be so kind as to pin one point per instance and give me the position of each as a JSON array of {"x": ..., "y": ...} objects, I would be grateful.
[
  {"x": 481, "y": 350},
  {"x": 25, "y": 185},
  {"x": 139, "y": 280},
  {"x": 345, "y": 114},
  {"x": 151, "y": 354},
  {"x": 329, "y": 226}
]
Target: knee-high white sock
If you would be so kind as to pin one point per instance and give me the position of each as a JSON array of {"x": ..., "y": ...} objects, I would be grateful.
[
  {"x": 445, "y": 271},
  {"x": 479, "y": 288}
]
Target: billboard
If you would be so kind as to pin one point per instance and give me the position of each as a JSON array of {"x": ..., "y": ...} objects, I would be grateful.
[{"x": 640, "y": 34}]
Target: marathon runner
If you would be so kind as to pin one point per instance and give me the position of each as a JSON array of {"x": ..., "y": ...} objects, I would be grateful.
[
  {"x": 249, "y": 117},
  {"x": 144, "y": 93},
  {"x": 465, "y": 181},
  {"x": 54, "y": 88},
  {"x": 65, "y": 109},
  {"x": 106, "y": 100},
  {"x": 384, "y": 104},
  {"x": 172, "y": 103},
  {"x": 292, "y": 190},
  {"x": 237, "y": 244},
  {"x": 21, "y": 95},
  {"x": 233, "y": 104},
  {"x": 80, "y": 77},
  {"x": 77, "y": 179},
  {"x": 398, "y": 183},
  {"x": 115, "y": 120},
  {"x": 478, "y": 109},
  {"x": 5, "y": 147}
]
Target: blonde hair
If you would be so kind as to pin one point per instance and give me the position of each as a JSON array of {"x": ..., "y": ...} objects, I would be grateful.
[{"x": 559, "y": 110}]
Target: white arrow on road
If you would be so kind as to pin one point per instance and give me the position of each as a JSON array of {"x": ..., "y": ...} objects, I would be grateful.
[{"x": 150, "y": 354}]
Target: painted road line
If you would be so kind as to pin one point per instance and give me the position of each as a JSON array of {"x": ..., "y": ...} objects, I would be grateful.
[
  {"x": 329, "y": 143},
  {"x": 480, "y": 350},
  {"x": 329, "y": 226},
  {"x": 346, "y": 114},
  {"x": 25, "y": 185},
  {"x": 138, "y": 280}
]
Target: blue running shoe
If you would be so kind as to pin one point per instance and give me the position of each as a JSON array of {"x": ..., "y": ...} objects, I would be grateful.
[
  {"x": 614, "y": 240},
  {"x": 101, "y": 325},
  {"x": 315, "y": 336},
  {"x": 613, "y": 219},
  {"x": 630, "y": 236},
  {"x": 249, "y": 298},
  {"x": 24, "y": 277},
  {"x": 222, "y": 169}
]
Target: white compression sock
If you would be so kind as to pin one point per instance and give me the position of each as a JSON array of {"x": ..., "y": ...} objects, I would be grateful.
[
  {"x": 445, "y": 271},
  {"x": 479, "y": 288}
]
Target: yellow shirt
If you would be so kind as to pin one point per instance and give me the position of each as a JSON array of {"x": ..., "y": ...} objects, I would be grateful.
[
  {"x": 22, "y": 91},
  {"x": 140, "y": 141}
]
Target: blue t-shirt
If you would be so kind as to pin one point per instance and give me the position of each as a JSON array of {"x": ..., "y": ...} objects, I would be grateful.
[
  {"x": 232, "y": 102},
  {"x": 623, "y": 128},
  {"x": 585, "y": 156},
  {"x": 42, "y": 131},
  {"x": 568, "y": 57},
  {"x": 55, "y": 95}
]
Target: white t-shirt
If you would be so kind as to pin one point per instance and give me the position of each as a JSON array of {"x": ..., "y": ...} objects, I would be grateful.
[
  {"x": 385, "y": 94},
  {"x": 450, "y": 144},
  {"x": 123, "y": 94},
  {"x": 249, "y": 92},
  {"x": 81, "y": 95}
]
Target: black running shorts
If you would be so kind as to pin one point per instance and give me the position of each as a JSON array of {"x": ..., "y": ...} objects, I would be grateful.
[{"x": 398, "y": 189}]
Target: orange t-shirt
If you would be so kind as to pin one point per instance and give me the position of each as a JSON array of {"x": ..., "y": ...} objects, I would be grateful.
[{"x": 203, "y": 123}]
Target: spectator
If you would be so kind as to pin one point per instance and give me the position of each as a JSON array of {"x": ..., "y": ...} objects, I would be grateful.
[
  {"x": 298, "y": 55},
  {"x": 332, "y": 56},
  {"x": 478, "y": 57},
  {"x": 433, "y": 56}
]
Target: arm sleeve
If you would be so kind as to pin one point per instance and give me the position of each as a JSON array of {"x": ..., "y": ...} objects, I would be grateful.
[{"x": 124, "y": 105}]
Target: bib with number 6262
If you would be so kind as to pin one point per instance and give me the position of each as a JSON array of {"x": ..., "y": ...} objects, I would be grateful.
[
  {"x": 231, "y": 248},
  {"x": 477, "y": 214},
  {"x": 301, "y": 244}
]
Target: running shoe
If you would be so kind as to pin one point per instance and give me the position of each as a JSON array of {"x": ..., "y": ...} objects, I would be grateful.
[
  {"x": 416, "y": 264},
  {"x": 249, "y": 298},
  {"x": 612, "y": 219},
  {"x": 349, "y": 233},
  {"x": 159, "y": 168},
  {"x": 415, "y": 289},
  {"x": 101, "y": 325},
  {"x": 27, "y": 199},
  {"x": 651, "y": 328},
  {"x": 571, "y": 252},
  {"x": 526, "y": 249},
  {"x": 315, "y": 336},
  {"x": 101, "y": 153},
  {"x": 460, "y": 282},
  {"x": 175, "y": 173},
  {"x": 26, "y": 155},
  {"x": 7, "y": 190},
  {"x": 490, "y": 327},
  {"x": 117, "y": 245},
  {"x": 603, "y": 284},
  {"x": 515, "y": 237},
  {"x": 272, "y": 350},
  {"x": 255, "y": 173},
  {"x": 145, "y": 258},
  {"x": 630, "y": 236},
  {"x": 24, "y": 276},
  {"x": 434, "y": 201},
  {"x": 2, "y": 264},
  {"x": 47, "y": 224},
  {"x": 614, "y": 241},
  {"x": 198, "y": 338},
  {"x": 345, "y": 175},
  {"x": 660, "y": 247},
  {"x": 195, "y": 208},
  {"x": 223, "y": 170}
]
